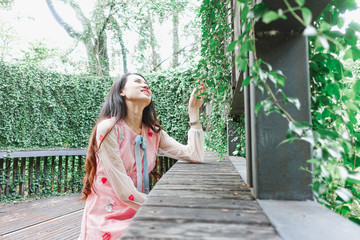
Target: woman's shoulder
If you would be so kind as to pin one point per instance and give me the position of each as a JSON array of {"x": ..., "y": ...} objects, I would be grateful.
[{"x": 105, "y": 124}]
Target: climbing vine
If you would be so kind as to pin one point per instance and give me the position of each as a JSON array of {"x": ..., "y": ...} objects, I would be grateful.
[
  {"x": 333, "y": 133},
  {"x": 215, "y": 70}
]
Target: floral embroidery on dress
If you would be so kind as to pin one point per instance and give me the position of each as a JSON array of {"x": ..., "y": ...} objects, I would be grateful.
[
  {"x": 198, "y": 134},
  {"x": 103, "y": 180},
  {"x": 131, "y": 197},
  {"x": 108, "y": 207},
  {"x": 106, "y": 236},
  {"x": 150, "y": 134},
  {"x": 122, "y": 137},
  {"x": 101, "y": 137}
]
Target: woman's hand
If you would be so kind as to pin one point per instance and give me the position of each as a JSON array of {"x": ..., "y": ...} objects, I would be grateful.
[
  {"x": 194, "y": 101},
  {"x": 195, "y": 104}
]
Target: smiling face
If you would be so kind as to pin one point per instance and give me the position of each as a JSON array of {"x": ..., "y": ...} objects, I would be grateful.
[{"x": 136, "y": 89}]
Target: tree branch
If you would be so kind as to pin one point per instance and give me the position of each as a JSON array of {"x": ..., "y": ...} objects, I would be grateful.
[{"x": 69, "y": 29}]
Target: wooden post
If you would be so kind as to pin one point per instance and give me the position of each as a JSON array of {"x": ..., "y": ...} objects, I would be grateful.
[
  {"x": 45, "y": 173},
  {"x": 60, "y": 173},
  {"x": 37, "y": 167},
  {"x": 15, "y": 172},
  {"x": 7, "y": 168},
  {"x": 2, "y": 175},
  {"x": 31, "y": 170},
  {"x": 22, "y": 173},
  {"x": 66, "y": 173},
  {"x": 52, "y": 171},
  {"x": 73, "y": 175}
]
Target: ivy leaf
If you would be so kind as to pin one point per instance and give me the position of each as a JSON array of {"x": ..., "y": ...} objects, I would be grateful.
[
  {"x": 307, "y": 16},
  {"x": 269, "y": 17},
  {"x": 259, "y": 10},
  {"x": 232, "y": 46},
  {"x": 246, "y": 81},
  {"x": 344, "y": 194},
  {"x": 300, "y": 2}
]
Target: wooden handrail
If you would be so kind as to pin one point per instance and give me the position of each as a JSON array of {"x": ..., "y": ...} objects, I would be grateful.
[{"x": 40, "y": 172}]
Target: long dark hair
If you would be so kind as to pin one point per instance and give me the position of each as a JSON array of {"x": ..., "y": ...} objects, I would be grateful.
[{"x": 113, "y": 106}]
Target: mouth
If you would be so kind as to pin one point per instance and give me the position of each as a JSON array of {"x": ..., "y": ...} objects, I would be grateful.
[{"x": 147, "y": 92}]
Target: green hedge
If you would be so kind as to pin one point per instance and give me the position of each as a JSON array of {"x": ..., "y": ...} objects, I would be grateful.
[{"x": 40, "y": 109}]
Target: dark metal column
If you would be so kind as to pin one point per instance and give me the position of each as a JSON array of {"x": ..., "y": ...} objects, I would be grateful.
[{"x": 276, "y": 169}]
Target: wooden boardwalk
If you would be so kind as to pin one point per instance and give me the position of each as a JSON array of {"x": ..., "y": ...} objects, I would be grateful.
[
  {"x": 191, "y": 201},
  {"x": 201, "y": 201},
  {"x": 47, "y": 218}
]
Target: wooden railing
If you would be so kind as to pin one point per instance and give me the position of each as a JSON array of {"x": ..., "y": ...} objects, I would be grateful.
[{"x": 41, "y": 172}]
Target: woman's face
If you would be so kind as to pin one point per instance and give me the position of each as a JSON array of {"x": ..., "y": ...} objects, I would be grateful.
[{"x": 136, "y": 89}]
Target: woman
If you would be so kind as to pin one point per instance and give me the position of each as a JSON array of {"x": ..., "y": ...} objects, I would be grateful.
[{"x": 121, "y": 153}]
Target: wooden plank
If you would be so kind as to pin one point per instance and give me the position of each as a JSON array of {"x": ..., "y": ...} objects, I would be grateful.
[
  {"x": 44, "y": 153},
  {"x": 204, "y": 194},
  {"x": 203, "y": 215},
  {"x": 24, "y": 215},
  {"x": 190, "y": 230},
  {"x": 202, "y": 203}
]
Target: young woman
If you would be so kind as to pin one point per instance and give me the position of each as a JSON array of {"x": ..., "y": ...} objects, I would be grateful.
[{"x": 122, "y": 151}]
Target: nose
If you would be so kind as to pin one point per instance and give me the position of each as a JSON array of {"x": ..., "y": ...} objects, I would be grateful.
[{"x": 145, "y": 86}]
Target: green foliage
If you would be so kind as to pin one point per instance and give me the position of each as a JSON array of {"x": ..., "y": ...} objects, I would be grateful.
[
  {"x": 214, "y": 70},
  {"x": 333, "y": 133},
  {"x": 171, "y": 91},
  {"x": 41, "y": 109}
]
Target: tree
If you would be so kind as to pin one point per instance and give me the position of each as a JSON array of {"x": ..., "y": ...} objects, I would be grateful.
[{"x": 94, "y": 34}]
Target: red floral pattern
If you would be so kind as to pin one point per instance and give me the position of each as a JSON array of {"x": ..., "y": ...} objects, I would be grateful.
[
  {"x": 106, "y": 236},
  {"x": 131, "y": 197},
  {"x": 150, "y": 134},
  {"x": 101, "y": 137},
  {"x": 103, "y": 180}
]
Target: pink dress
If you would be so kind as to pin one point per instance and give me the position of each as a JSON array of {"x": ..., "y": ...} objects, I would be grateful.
[{"x": 108, "y": 209}]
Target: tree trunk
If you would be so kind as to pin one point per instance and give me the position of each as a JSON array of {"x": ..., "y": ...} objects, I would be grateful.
[
  {"x": 153, "y": 45},
  {"x": 175, "y": 21}
]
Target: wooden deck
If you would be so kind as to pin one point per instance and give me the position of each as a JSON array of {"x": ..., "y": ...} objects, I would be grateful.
[
  {"x": 201, "y": 201},
  {"x": 191, "y": 201},
  {"x": 47, "y": 218}
]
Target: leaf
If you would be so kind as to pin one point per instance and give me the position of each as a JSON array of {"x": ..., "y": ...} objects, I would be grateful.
[
  {"x": 310, "y": 31},
  {"x": 300, "y": 2},
  {"x": 232, "y": 46},
  {"x": 294, "y": 101},
  {"x": 246, "y": 81},
  {"x": 269, "y": 17},
  {"x": 355, "y": 26},
  {"x": 324, "y": 42},
  {"x": 258, "y": 107},
  {"x": 344, "y": 194},
  {"x": 307, "y": 16}
]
